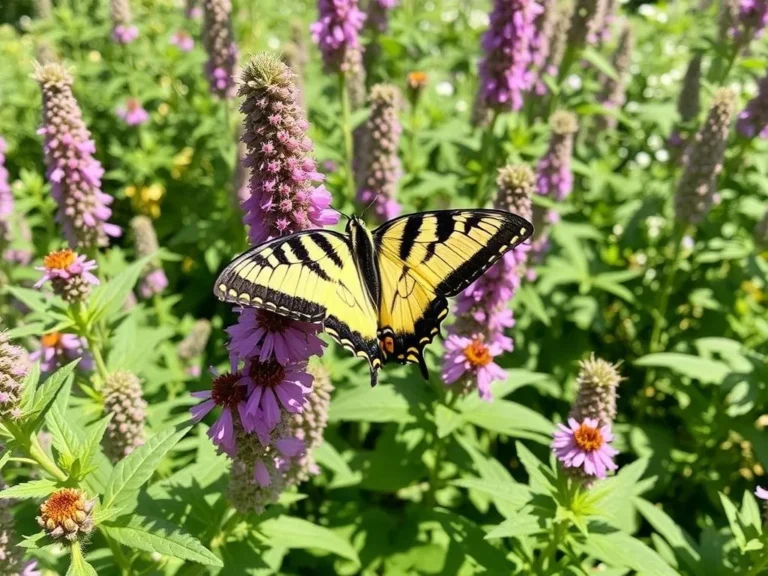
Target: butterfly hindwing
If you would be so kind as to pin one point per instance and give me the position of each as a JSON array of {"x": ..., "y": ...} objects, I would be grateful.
[
  {"x": 427, "y": 257},
  {"x": 310, "y": 276}
]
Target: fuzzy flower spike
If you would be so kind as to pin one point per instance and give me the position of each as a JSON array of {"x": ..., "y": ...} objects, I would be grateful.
[
  {"x": 219, "y": 42},
  {"x": 75, "y": 175},
  {"x": 336, "y": 31}
]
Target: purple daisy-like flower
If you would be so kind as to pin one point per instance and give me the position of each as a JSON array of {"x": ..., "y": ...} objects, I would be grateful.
[
  {"x": 585, "y": 445},
  {"x": 69, "y": 273},
  {"x": 131, "y": 112},
  {"x": 182, "y": 40},
  {"x": 57, "y": 348},
  {"x": 229, "y": 392},
  {"x": 262, "y": 334},
  {"x": 336, "y": 31},
  {"x": 275, "y": 389},
  {"x": 472, "y": 358}
]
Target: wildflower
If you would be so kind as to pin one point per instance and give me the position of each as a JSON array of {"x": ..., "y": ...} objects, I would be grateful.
[
  {"x": 123, "y": 399},
  {"x": 417, "y": 81},
  {"x": 586, "y": 23},
  {"x": 66, "y": 513},
  {"x": 689, "y": 101},
  {"x": 192, "y": 10},
  {"x": 505, "y": 70},
  {"x": 553, "y": 172},
  {"x": 378, "y": 14},
  {"x": 153, "y": 280},
  {"x": 743, "y": 20},
  {"x": 6, "y": 197},
  {"x": 230, "y": 393},
  {"x": 294, "y": 59},
  {"x": 469, "y": 361},
  {"x": 57, "y": 349},
  {"x": 20, "y": 255},
  {"x": 613, "y": 94},
  {"x": 123, "y": 32},
  {"x": 131, "y": 112},
  {"x": 13, "y": 370},
  {"x": 75, "y": 175},
  {"x": 762, "y": 493},
  {"x": 697, "y": 186},
  {"x": 557, "y": 44},
  {"x": 336, "y": 31},
  {"x": 354, "y": 72},
  {"x": 596, "y": 398},
  {"x": 263, "y": 334},
  {"x": 544, "y": 25},
  {"x": 182, "y": 40},
  {"x": 585, "y": 446},
  {"x": 219, "y": 42},
  {"x": 515, "y": 187},
  {"x": 195, "y": 342},
  {"x": 282, "y": 196},
  {"x": 69, "y": 274},
  {"x": 753, "y": 120},
  {"x": 146, "y": 199},
  {"x": 381, "y": 167}
]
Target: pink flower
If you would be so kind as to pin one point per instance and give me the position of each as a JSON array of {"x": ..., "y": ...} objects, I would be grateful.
[
  {"x": 132, "y": 113},
  {"x": 586, "y": 446},
  {"x": 182, "y": 40},
  {"x": 228, "y": 392},
  {"x": 122, "y": 34},
  {"x": 57, "y": 349},
  {"x": 472, "y": 358},
  {"x": 65, "y": 265}
]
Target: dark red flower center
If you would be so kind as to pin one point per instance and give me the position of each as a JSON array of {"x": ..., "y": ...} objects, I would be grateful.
[
  {"x": 272, "y": 322},
  {"x": 226, "y": 391},
  {"x": 269, "y": 373},
  {"x": 478, "y": 354},
  {"x": 588, "y": 438}
]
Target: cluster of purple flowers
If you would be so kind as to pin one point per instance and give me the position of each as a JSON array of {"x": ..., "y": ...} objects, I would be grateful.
[
  {"x": 57, "y": 349},
  {"x": 182, "y": 40},
  {"x": 753, "y": 120},
  {"x": 123, "y": 31},
  {"x": 337, "y": 31},
  {"x": 219, "y": 42},
  {"x": 378, "y": 14},
  {"x": 132, "y": 112},
  {"x": 75, "y": 175}
]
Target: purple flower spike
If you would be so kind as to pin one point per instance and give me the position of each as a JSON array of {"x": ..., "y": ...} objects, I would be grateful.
[
  {"x": 69, "y": 273},
  {"x": 753, "y": 120},
  {"x": 132, "y": 113},
  {"x": 553, "y": 172},
  {"x": 336, "y": 31},
  {"x": 585, "y": 445},
  {"x": 505, "y": 72},
  {"x": 123, "y": 32},
  {"x": 219, "y": 42},
  {"x": 75, "y": 175},
  {"x": 153, "y": 279}
]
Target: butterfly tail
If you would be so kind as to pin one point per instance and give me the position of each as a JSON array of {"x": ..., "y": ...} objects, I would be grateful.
[
  {"x": 375, "y": 367},
  {"x": 423, "y": 367}
]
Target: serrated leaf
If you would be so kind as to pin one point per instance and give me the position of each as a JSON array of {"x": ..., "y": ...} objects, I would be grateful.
[
  {"x": 46, "y": 393},
  {"x": 134, "y": 470},
  {"x": 706, "y": 370},
  {"x": 4, "y": 459},
  {"x": 328, "y": 457},
  {"x": 32, "y": 299},
  {"x": 513, "y": 494},
  {"x": 109, "y": 297},
  {"x": 64, "y": 439},
  {"x": 156, "y": 535},
  {"x": 31, "y": 542},
  {"x": 93, "y": 443},
  {"x": 732, "y": 513},
  {"x": 507, "y": 418},
  {"x": 750, "y": 512},
  {"x": 522, "y": 524},
  {"x": 290, "y": 532},
  {"x": 540, "y": 476},
  {"x": 30, "y": 385},
  {"x": 31, "y": 489},
  {"x": 620, "y": 549},
  {"x": 446, "y": 420}
]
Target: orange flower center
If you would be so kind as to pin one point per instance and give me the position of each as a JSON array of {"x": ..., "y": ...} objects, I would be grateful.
[
  {"x": 478, "y": 353},
  {"x": 59, "y": 260},
  {"x": 588, "y": 438},
  {"x": 417, "y": 79},
  {"x": 63, "y": 505},
  {"x": 51, "y": 340}
]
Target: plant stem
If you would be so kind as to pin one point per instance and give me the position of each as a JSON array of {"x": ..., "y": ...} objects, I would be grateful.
[
  {"x": 487, "y": 159},
  {"x": 661, "y": 308},
  {"x": 37, "y": 453},
  {"x": 346, "y": 130}
]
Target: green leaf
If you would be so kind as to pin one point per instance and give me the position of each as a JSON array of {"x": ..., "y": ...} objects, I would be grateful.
[
  {"x": 446, "y": 420},
  {"x": 134, "y": 470},
  {"x": 507, "y": 418},
  {"x": 108, "y": 298},
  {"x": 79, "y": 565},
  {"x": 93, "y": 443},
  {"x": 540, "y": 476},
  {"x": 155, "y": 535},
  {"x": 732, "y": 513},
  {"x": 362, "y": 404},
  {"x": 599, "y": 61},
  {"x": 704, "y": 369},
  {"x": 46, "y": 394},
  {"x": 31, "y": 542},
  {"x": 30, "y": 386},
  {"x": 620, "y": 549},
  {"x": 4, "y": 459},
  {"x": 327, "y": 456},
  {"x": 65, "y": 440},
  {"x": 682, "y": 544},
  {"x": 750, "y": 512},
  {"x": 31, "y": 489},
  {"x": 522, "y": 524},
  {"x": 32, "y": 299},
  {"x": 290, "y": 532},
  {"x": 511, "y": 493},
  {"x": 531, "y": 301}
]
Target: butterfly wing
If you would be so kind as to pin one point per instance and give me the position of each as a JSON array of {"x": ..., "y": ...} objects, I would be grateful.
[
  {"x": 312, "y": 277},
  {"x": 428, "y": 257}
]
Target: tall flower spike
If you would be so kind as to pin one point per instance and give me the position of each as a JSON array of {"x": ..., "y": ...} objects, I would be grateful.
[
  {"x": 6, "y": 198},
  {"x": 66, "y": 514},
  {"x": 195, "y": 342},
  {"x": 753, "y": 120},
  {"x": 153, "y": 279},
  {"x": 586, "y": 23},
  {"x": 697, "y": 186},
  {"x": 505, "y": 70},
  {"x": 689, "y": 101},
  {"x": 13, "y": 370},
  {"x": 557, "y": 43},
  {"x": 123, "y": 399},
  {"x": 123, "y": 30},
  {"x": 381, "y": 168},
  {"x": 541, "y": 42},
  {"x": 283, "y": 198},
  {"x": 354, "y": 70},
  {"x": 378, "y": 14},
  {"x": 336, "y": 31},
  {"x": 553, "y": 172},
  {"x": 219, "y": 42},
  {"x": 613, "y": 94},
  {"x": 70, "y": 275},
  {"x": 596, "y": 397},
  {"x": 75, "y": 175}
]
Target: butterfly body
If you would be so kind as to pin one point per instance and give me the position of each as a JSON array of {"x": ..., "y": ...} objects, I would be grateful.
[{"x": 381, "y": 294}]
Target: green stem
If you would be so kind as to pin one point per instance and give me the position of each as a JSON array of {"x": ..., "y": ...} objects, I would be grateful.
[
  {"x": 346, "y": 130},
  {"x": 664, "y": 291},
  {"x": 37, "y": 454},
  {"x": 93, "y": 345},
  {"x": 120, "y": 558},
  {"x": 487, "y": 159}
]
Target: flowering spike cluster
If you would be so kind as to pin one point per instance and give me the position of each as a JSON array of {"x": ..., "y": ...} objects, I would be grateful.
[
  {"x": 6, "y": 197},
  {"x": 354, "y": 71},
  {"x": 608, "y": 17},
  {"x": 613, "y": 94},
  {"x": 13, "y": 370},
  {"x": 753, "y": 120},
  {"x": 336, "y": 31},
  {"x": 75, "y": 175},
  {"x": 558, "y": 42},
  {"x": 743, "y": 20},
  {"x": 482, "y": 310},
  {"x": 192, "y": 9},
  {"x": 378, "y": 14},
  {"x": 194, "y": 343},
  {"x": 219, "y": 42},
  {"x": 123, "y": 31},
  {"x": 596, "y": 398},
  {"x": 553, "y": 171},
  {"x": 153, "y": 280},
  {"x": 541, "y": 42},
  {"x": 689, "y": 101},
  {"x": 703, "y": 162},
  {"x": 70, "y": 275},
  {"x": 283, "y": 198},
  {"x": 505, "y": 71},
  {"x": 586, "y": 23},
  {"x": 57, "y": 349},
  {"x": 123, "y": 399},
  {"x": 66, "y": 514},
  {"x": 380, "y": 165},
  {"x": 43, "y": 9}
]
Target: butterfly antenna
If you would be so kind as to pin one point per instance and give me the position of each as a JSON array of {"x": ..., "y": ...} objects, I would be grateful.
[
  {"x": 339, "y": 212},
  {"x": 372, "y": 202}
]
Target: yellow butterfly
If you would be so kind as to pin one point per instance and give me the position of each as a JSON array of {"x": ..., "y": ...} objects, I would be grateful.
[{"x": 381, "y": 294}]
